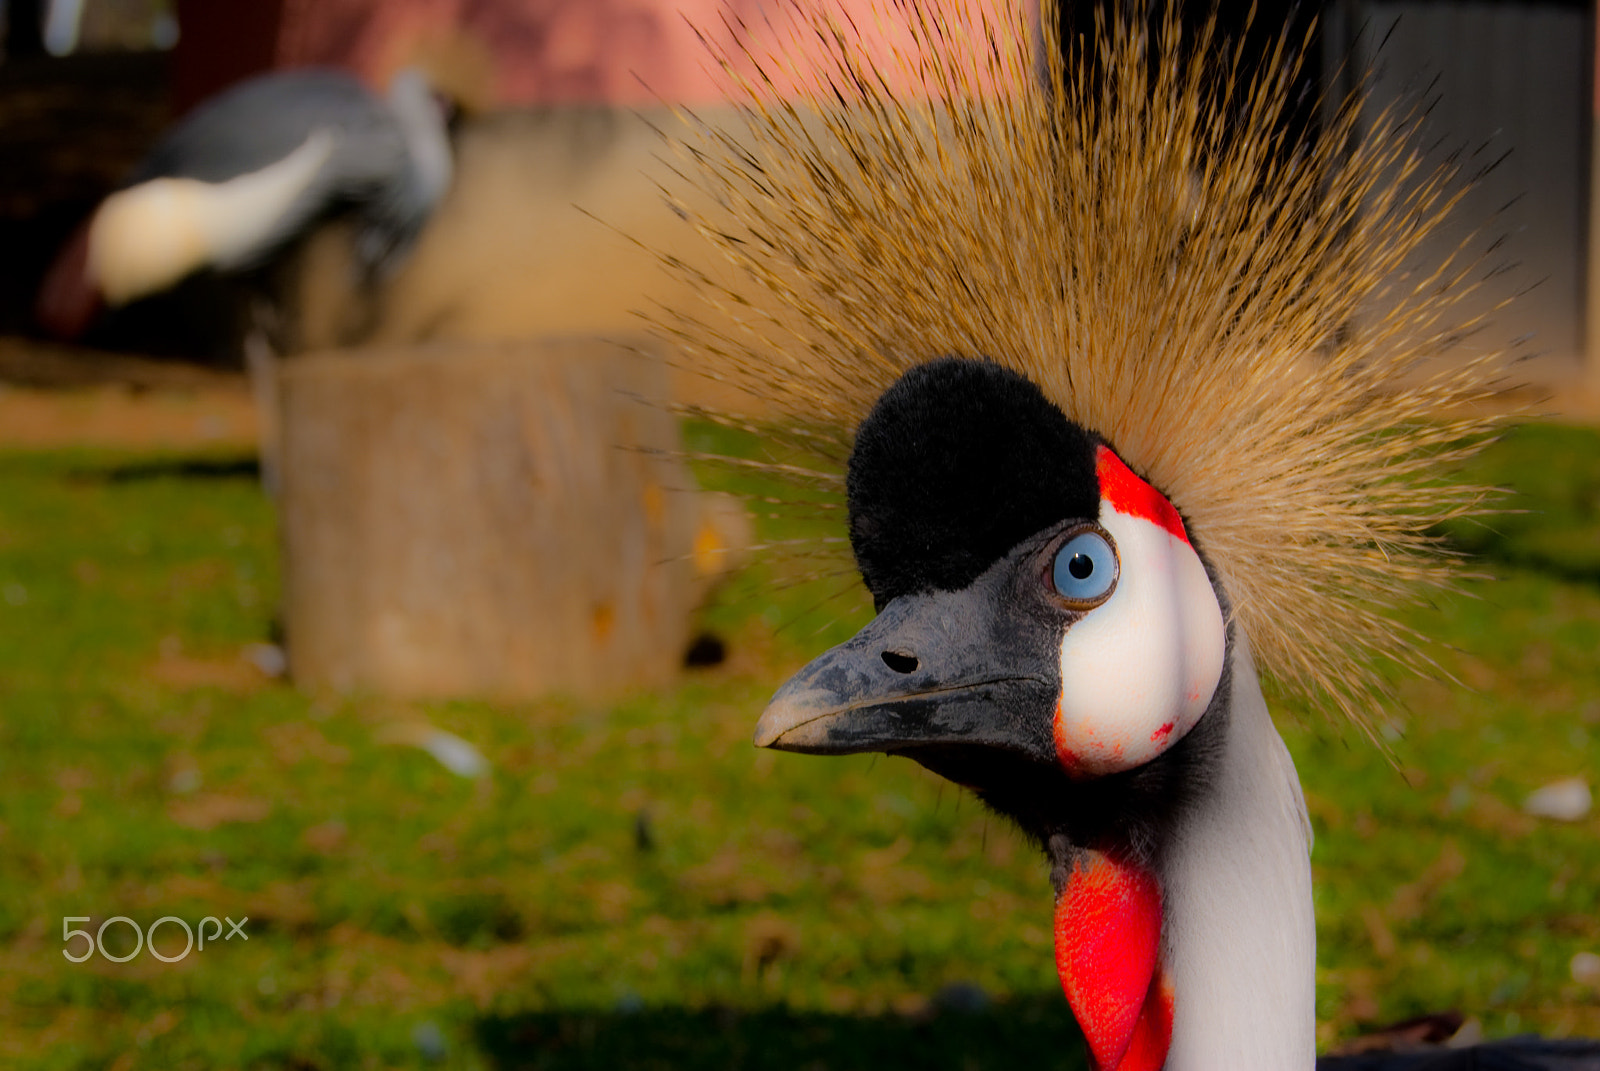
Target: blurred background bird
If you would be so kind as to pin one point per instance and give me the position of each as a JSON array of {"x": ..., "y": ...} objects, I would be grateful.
[{"x": 231, "y": 187}]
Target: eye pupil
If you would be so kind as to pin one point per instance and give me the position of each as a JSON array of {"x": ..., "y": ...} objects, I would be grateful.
[{"x": 1081, "y": 566}]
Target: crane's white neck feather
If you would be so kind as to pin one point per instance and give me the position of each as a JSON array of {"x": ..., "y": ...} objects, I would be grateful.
[
  {"x": 1239, "y": 937},
  {"x": 148, "y": 237},
  {"x": 426, "y": 136}
]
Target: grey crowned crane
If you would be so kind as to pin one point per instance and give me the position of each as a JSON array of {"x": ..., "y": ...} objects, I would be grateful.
[
  {"x": 249, "y": 171},
  {"x": 1049, "y": 636},
  {"x": 1110, "y": 448}
]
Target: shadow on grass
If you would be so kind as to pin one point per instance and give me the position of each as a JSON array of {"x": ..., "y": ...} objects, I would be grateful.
[
  {"x": 1555, "y": 565},
  {"x": 1035, "y": 1032},
  {"x": 1550, "y": 518},
  {"x": 179, "y": 468}
]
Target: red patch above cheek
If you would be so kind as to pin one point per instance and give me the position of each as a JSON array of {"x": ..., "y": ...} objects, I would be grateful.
[
  {"x": 1108, "y": 936},
  {"x": 1132, "y": 496}
]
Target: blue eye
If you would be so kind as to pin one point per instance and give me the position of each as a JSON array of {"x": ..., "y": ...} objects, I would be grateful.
[{"x": 1085, "y": 568}]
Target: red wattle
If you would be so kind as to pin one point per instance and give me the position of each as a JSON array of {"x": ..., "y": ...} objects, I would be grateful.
[
  {"x": 1152, "y": 1034},
  {"x": 1132, "y": 496},
  {"x": 1108, "y": 937}
]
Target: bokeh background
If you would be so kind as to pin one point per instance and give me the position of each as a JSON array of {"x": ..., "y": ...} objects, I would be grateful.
[{"x": 597, "y": 870}]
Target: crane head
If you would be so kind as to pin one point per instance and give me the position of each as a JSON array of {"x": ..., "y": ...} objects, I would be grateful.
[{"x": 1040, "y": 607}]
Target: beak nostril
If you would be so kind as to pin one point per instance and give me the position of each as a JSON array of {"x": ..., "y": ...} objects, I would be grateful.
[{"x": 900, "y": 663}]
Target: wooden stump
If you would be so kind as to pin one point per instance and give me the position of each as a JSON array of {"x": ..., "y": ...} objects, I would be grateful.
[{"x": 501, "y": 519}]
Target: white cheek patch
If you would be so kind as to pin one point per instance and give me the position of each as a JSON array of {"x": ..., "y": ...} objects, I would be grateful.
[{"x": 1139, "y": 670}]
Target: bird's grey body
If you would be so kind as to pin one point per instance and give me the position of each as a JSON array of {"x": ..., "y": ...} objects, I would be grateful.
[
  {"x": 389, "y": 159},
  {"x": 247, "y": 173},
  {"x": 259, "y": 122}
]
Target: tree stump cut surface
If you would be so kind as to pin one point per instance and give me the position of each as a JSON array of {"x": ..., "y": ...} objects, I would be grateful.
[{"x": 504, "y": 520}]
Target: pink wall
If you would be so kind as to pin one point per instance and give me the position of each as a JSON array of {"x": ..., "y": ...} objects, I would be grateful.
[{"x": 541, "y": 51}]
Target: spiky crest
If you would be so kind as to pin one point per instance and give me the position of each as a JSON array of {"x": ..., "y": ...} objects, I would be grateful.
[{"x": 1239, "y": 317}]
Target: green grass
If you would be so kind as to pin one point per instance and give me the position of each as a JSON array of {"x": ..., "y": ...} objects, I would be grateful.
[{"x": 633, "y": 885}]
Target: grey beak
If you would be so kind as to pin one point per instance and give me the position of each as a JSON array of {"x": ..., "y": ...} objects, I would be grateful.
[{"x": 930, "y": 669}]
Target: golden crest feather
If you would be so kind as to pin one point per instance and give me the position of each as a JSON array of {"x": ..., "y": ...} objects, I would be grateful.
[{"x": 1238, "y": 316}]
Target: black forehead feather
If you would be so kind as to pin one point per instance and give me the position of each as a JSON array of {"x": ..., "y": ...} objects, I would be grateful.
[{"x": 958, "y": 462}]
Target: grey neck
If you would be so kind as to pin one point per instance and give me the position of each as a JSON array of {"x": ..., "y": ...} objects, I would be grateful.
[
  {"x": 426, "y": 136},
  {"x": 1239, "y": 937}
]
